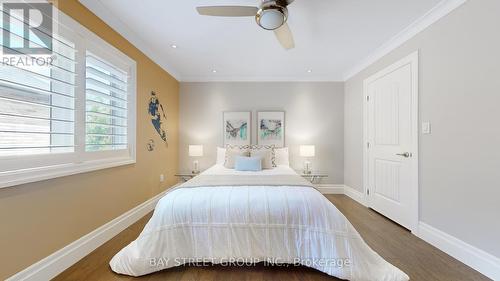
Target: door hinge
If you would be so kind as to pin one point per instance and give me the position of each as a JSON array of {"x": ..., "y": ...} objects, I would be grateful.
[
  {"x": 367, "y": 145},
  {"x": 368, "y": 191},
  {"x": 367, "y": 98}
]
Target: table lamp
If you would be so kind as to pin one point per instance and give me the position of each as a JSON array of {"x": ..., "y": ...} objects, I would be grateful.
[
  {"x": 195, "y": 151},
  {"x": 307, "y": 151}
]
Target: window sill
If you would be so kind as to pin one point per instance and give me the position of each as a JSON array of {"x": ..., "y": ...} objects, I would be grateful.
[{"x": 13, "y": 178}]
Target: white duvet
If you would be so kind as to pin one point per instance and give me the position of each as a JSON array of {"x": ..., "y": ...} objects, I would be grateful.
[{"x": 238, "y": 225}]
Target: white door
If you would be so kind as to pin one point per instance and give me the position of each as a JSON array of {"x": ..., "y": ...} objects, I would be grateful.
[{"x": 392, "y": 137}]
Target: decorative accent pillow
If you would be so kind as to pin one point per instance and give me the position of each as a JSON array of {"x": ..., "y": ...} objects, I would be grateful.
[
  {"x": 282, "y": 156},
  {"x": 252, "y": 164},
  {"x": 266, "y": 152},
  {"x": 221, "y": 156},
  {"x": 232, "y": 151}
]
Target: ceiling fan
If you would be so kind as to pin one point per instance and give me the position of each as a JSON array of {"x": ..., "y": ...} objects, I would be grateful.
[{"x": 270, "y": 15}]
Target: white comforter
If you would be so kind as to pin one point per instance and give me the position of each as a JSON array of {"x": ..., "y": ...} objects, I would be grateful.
[{"x": 246, "y": 224}]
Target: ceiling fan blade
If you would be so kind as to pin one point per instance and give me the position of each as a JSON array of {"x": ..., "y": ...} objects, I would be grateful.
[
  {"x": 286, "y": 2},
  {"x": 228, "y": 11},
  {"x": 285, "y": 36}
]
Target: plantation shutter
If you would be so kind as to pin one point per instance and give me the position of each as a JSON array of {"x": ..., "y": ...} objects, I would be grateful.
[
  {"x": 106, "y": 105},
  {"x": 37, "y": 93}
]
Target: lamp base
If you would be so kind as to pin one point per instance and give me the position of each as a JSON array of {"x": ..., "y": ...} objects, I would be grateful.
[
  {"x": 307, "y": 168},
  {"x": 195, "y": 170}
]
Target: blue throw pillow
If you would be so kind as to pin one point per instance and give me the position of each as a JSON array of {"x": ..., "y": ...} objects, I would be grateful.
[{"x": 253, "y": 164}]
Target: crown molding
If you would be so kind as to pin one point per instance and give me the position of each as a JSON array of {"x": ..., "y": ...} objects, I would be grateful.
[
  {"x": 222, "y": 78},
  {"x": 439, "y": 11},
  {"x": 122, "y": 28}
]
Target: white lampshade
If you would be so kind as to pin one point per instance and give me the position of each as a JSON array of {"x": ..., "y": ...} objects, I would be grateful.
[
  {"x": 307, "y": 150},
  {"x": 196, "y": 150}
]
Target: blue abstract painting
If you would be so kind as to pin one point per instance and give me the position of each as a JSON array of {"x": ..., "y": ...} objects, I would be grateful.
[
  {"x": 236, "y": 127},
  {"x": 236, "y": 130},
  {"x": 271, "y": 129}
]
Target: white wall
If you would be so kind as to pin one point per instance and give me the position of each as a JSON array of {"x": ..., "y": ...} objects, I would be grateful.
[
  {"x": 314, "y": 114},
  {"x": 460, "y": 96}
]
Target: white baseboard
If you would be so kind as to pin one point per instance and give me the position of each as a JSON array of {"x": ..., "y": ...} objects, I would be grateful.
[
  {"x": 478, "y": 259},
  {"x": 355, "y": 195},
  {"x": 59, "y": 261},
  {"x": 342, "y": 189},
  {"x": 330, "y": 188}
]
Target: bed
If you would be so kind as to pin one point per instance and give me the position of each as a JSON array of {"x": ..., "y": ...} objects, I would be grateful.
[{"x": 231, "y": 217}]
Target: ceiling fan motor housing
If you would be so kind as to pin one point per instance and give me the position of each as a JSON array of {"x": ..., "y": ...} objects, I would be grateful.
[{"x": 272, "y": 15}]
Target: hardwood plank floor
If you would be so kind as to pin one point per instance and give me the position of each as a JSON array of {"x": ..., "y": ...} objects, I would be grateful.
[{"x": 417, "y": 258}]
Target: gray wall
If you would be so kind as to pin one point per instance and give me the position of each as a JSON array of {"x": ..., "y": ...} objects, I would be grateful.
[
  {"x": 314, "y": 114},
  {"x": 460, "y": 96}
]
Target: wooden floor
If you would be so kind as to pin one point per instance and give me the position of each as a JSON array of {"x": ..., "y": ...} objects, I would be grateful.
[{"x": 418, "y": 259}]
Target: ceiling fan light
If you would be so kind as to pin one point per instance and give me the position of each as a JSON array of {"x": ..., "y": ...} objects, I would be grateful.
[{"x": 271, "y": 17}]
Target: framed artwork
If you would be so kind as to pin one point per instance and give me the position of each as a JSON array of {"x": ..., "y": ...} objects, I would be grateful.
[
  {"x": 271, "y": 128},
  {"x": 236, "y": 128}
]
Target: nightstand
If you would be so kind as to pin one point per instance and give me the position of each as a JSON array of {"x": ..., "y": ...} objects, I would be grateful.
[
  {"x": 185, "y": 176},
  {"x": 314, "y": 177}
]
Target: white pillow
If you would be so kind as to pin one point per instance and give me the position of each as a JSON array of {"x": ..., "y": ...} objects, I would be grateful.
[
  {"x": 282, "y": 156},
  {"x": 221, "y": 156}
]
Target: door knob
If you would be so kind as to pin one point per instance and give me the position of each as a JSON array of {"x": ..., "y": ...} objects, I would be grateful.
[{"x": 406, "y": 154}]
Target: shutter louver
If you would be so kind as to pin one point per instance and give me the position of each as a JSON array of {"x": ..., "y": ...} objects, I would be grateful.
[
  {"x": 37, "y": 102},
  {"x": 106, "y": 105}
]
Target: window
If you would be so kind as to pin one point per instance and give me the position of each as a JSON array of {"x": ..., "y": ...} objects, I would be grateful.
[
  {"x": 106, "y": 105},
  {"x": 66, "y": 112},
  {"x": 36, "y": 101}
]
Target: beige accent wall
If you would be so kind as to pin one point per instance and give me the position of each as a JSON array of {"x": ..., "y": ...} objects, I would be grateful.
[
  {"x": 459, "y": 94},
  {"x": 40, "y": 218}
]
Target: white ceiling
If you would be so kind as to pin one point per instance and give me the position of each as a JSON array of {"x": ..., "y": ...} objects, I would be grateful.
[{"x": 331, "y": 37}]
